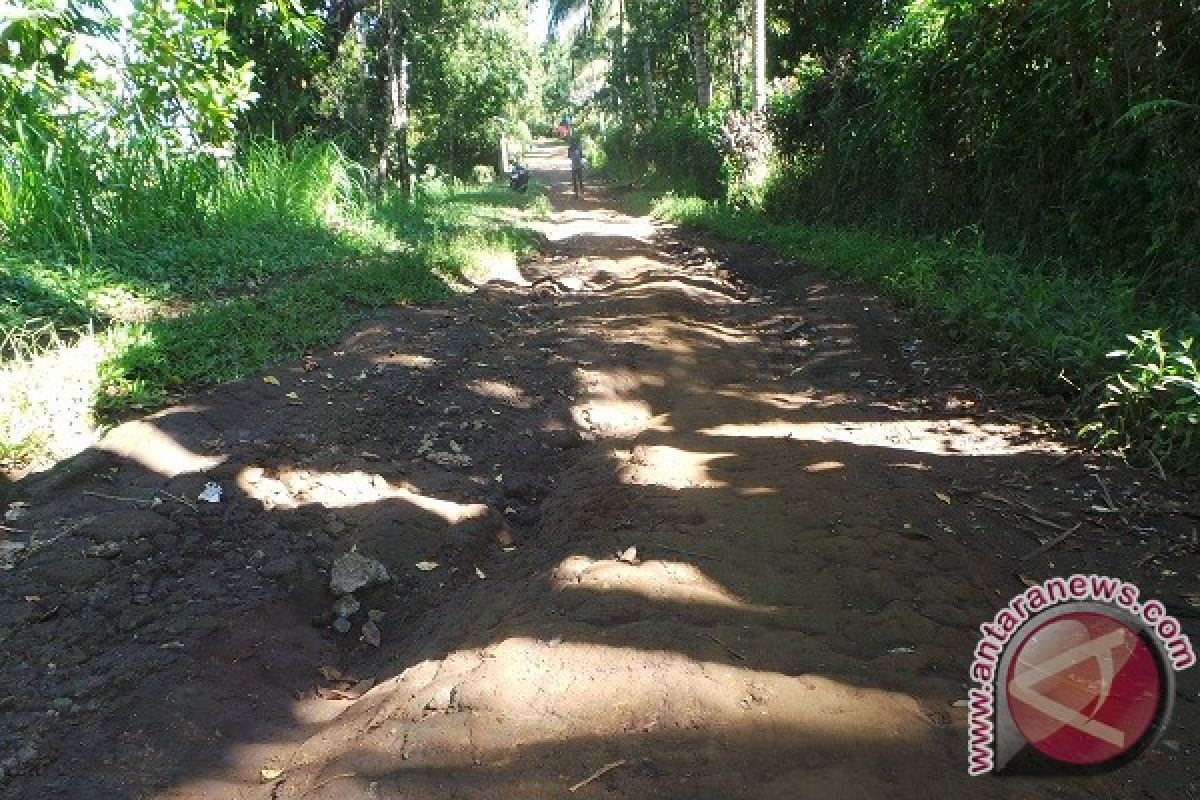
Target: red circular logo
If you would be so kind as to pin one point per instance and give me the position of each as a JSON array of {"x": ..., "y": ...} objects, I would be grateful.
[{"x": 1084, "y": 688}]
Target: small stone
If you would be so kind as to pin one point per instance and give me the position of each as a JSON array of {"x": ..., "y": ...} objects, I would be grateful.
[
  {"x": 354, "y": 571},
  {"x": 341, "y": 625},
  {"x": 26, "y": 754},
  {"x": 375, "y": 615},
  {"x": 106, "y": 550},
  {"x": 346, "y": 606},
  {"x": 447, "y": 459}
]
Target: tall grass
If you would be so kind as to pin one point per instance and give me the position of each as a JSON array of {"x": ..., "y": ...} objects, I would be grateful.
[
  {"x": 77, "y": 196},
  {"x": 131, "y": 274}
]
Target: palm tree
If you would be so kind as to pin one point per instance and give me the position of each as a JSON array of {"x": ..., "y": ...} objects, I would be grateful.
[
  {"x": 760, "y": 54},
  {"x": 699, "y": 38},
  {"x": 563, "y": 10}
]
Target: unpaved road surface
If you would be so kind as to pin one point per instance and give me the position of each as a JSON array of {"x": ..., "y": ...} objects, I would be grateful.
[{"x": 644, "y": 504}]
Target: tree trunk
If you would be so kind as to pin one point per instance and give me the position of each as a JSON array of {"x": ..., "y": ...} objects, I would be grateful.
[
  {"x": 736, "y": 43},
  {"x": 648, "y": 82},
  {"x": 700, "y": 53},
  {"x": 392, "y": 162},
  {"x": 760, "y": 54},
  {"x": 618, "y": 70}
]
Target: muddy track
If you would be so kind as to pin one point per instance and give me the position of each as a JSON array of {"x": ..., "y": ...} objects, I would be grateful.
[{"x": 641, "y": 505}]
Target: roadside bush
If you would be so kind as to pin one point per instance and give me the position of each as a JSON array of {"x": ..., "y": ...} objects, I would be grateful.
[
  {"x": 1054, "y": 129},
  {"x": 681, "y": 151},
  {"x": 1150, "y": 407}
]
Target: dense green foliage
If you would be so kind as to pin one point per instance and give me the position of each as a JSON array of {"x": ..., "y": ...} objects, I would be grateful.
[
  {"x": 679, "y": 151},
  {"x": 1050, "y": 128}
]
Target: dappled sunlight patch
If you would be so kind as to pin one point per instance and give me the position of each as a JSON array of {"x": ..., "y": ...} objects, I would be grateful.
[
  {"x": 613, "y": 416},
  {"x": 121, "y": 304},
  {"x": 492, "y": 705},
  {"x": 663, "y": 465},
  {"x": 287, "y": 487},
  {"x": 652, "y": 289},
  {"x": 606, "y": 269},
  {"x": 937, "y": 437},
  {"x": 612, "y": 382},
  {"x": 482, "y": 263},
  {"x": 143, "y": 442},
  {"x": 661, "y": 581},
  {"x": 410, "y": 360},
  {"x": 564, "y": 227},
  {"x": 46, "y": 399},
  {"x": 501, "y": 391},
  {"x": 783, "y": 400}
]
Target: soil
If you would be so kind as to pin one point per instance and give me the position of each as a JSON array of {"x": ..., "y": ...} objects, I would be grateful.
[{"x": 657, "y": 501}]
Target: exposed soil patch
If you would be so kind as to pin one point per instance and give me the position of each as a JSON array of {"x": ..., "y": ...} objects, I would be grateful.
[{"x": 645, "y": 508}]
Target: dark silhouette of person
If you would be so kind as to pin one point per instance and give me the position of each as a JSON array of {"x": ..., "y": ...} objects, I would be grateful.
[{"x": 575, "y": 153}]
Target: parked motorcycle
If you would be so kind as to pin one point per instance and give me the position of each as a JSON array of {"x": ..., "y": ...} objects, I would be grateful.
[{"x": 518, "y": 179}]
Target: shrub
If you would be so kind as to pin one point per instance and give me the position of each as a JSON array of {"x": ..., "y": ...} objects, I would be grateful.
[
  {"x": 1150, "y": 407},
  {"x": 682, "y": 151}
]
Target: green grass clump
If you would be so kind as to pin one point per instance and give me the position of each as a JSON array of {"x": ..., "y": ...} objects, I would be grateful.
[{"x": 1038, "y": 326}]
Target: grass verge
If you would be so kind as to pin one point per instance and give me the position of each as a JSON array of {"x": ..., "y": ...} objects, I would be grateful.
[
  {"x": 145, "y": 319},
  {"x": 1130, "y": 366}
]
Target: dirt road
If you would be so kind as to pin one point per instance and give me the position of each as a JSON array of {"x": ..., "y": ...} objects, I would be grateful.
[{"x": 641, "y": 505}]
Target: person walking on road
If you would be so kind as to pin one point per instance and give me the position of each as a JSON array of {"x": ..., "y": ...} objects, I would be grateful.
[{"x": 575, "y": 153}]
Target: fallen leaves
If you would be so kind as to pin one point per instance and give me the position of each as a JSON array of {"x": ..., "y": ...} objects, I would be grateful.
[
  {"x": 945, "y": 498},
  {"x": 270, "y": 775},
  {"x": 271, "y": 379},
  {"x": 345, "y": 687},
  {"x": 335, "y": 675}
]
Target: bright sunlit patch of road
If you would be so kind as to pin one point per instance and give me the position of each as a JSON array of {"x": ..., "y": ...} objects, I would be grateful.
[{"x": 962, "y": 437}]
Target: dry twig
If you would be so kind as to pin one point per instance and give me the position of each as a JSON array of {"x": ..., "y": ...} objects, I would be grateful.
[
  {"x": 732, "y": 652},
  {"x": 102, "y": 496},
  {"x": 602, "y": 771},
  {"x": 1057, "y": 540},
  {"x": 180, "y": 500},
  {"x": 1024, "y": 509}
]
